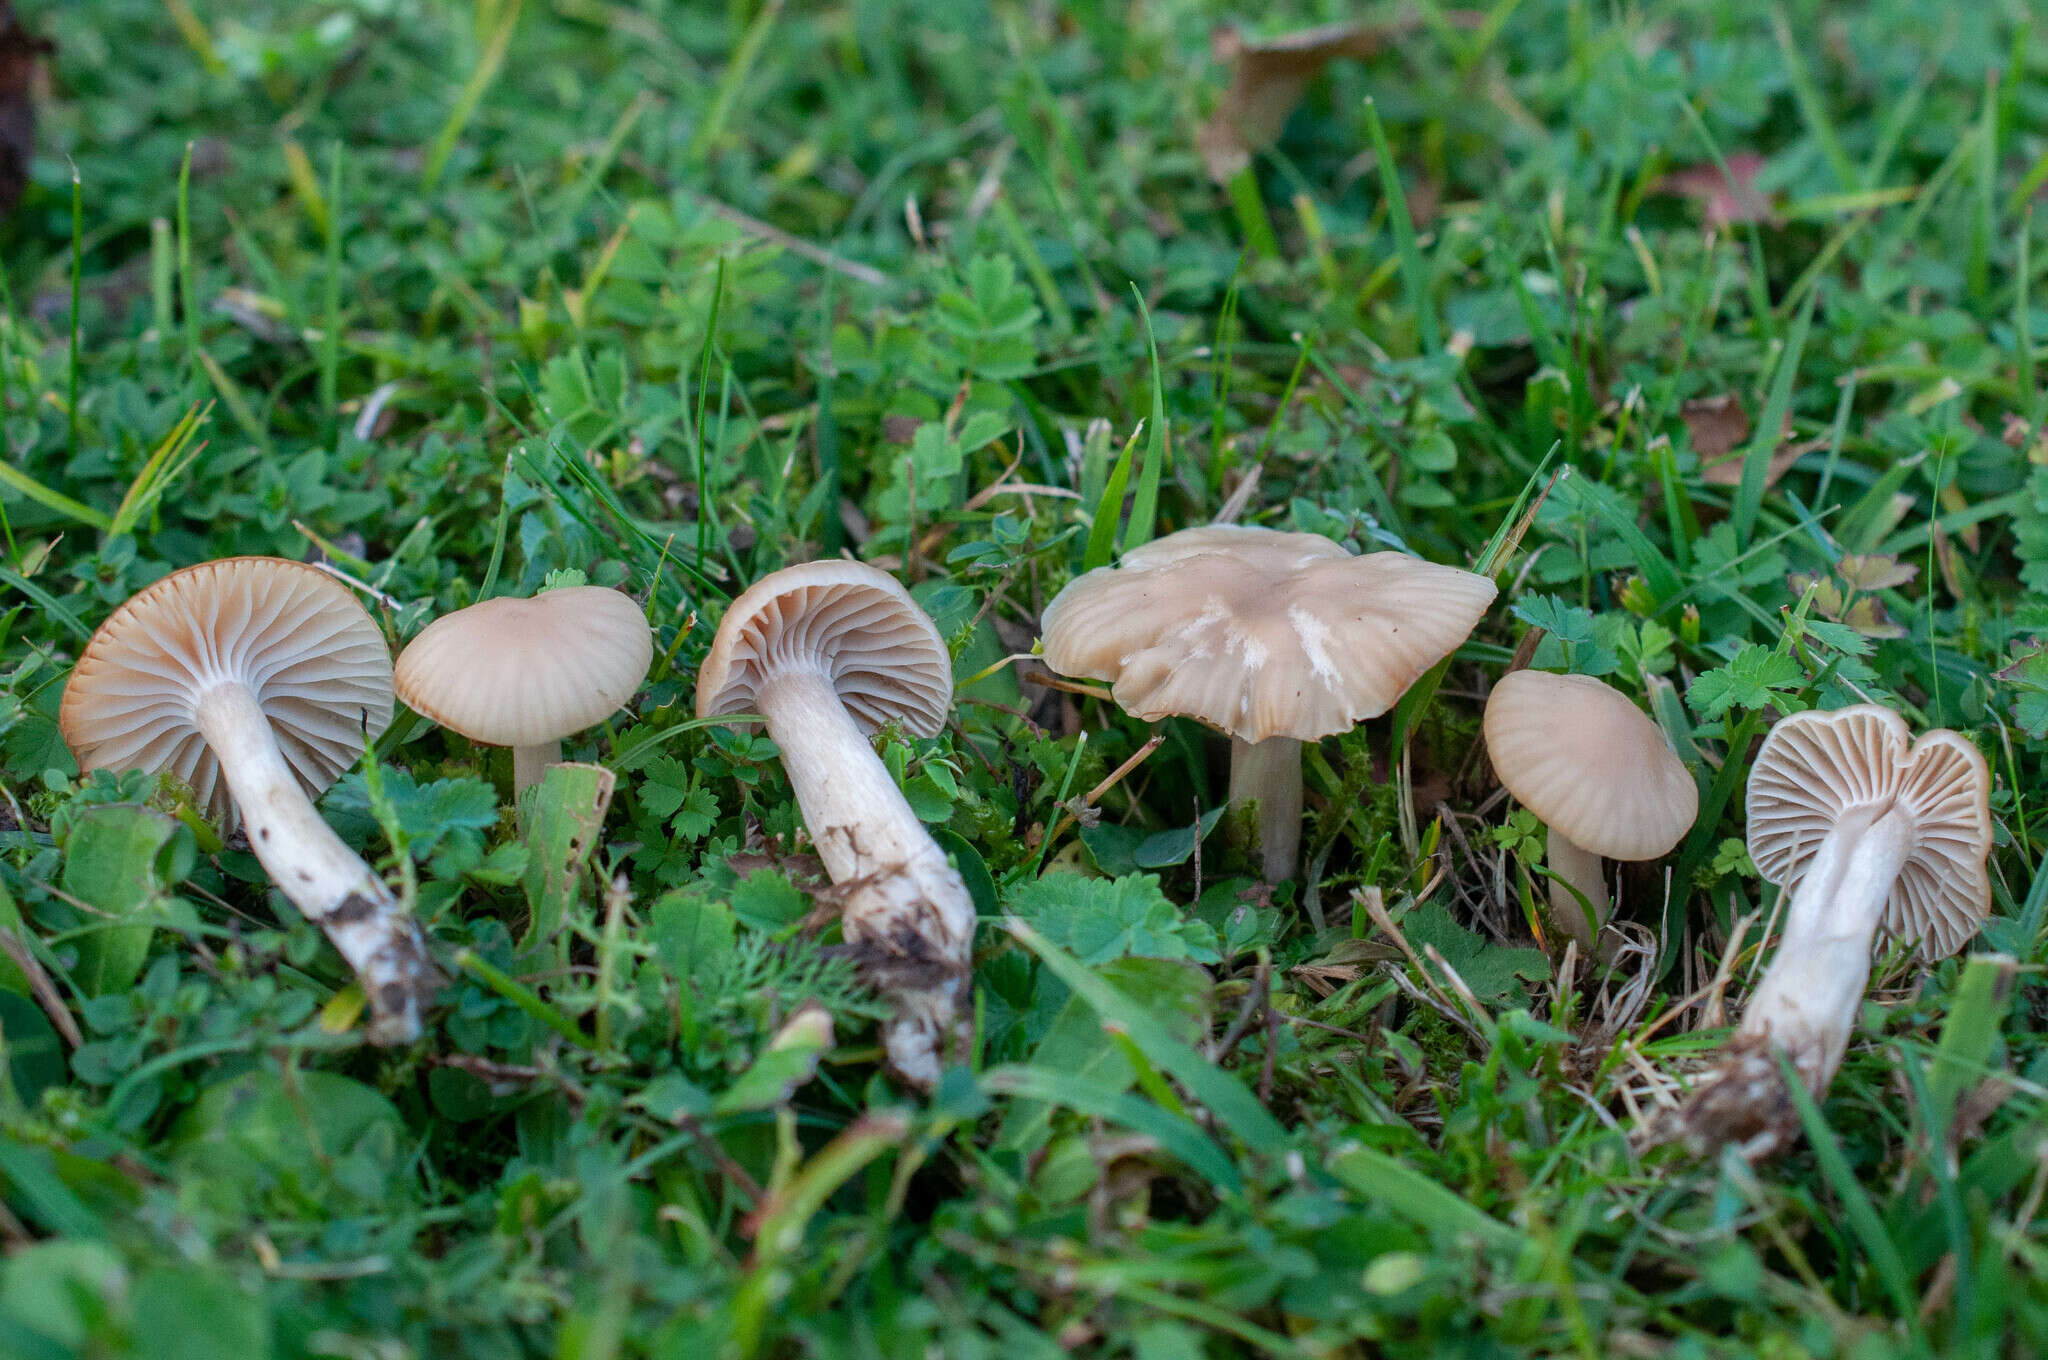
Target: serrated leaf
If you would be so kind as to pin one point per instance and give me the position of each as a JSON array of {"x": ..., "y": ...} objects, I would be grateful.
[{"x": 1101, "y": 919}]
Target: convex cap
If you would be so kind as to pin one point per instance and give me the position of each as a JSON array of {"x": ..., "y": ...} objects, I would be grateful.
[
  {"x": 1816, "y": 769},
  {"x": 1589, "y": 763},
  {"x": 849, "y": 621},
  {"x": 292, "y": 634},
  {"x": 510, "y": 672},
  {"x": 1261, "y": 633}
]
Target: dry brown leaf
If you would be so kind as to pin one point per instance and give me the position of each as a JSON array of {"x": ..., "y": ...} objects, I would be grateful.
[
  {"x": 1719, "y": 430},
  {"x": 21, "y": 57},
  {"x": 1723, "y": 198},
  {"x": 1267, "y": 79},
  {"x": 1717, "y": 424}
]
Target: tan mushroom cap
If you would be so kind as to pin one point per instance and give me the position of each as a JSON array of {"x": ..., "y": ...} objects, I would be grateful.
[
  {"x": 1589, "y": 763},
  {"x": 1814, "y": 767},
  {"x": 311, "y": 655},
  {"x": 1261, "y": 633},
  {"x": 509, "y": 672},
  {"x": 852, "y": 622}
]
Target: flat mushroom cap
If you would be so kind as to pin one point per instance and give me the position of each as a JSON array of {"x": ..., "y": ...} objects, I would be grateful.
[
  {"x": 311, "y": 655},
  {"x": 855, "y": 624},
  {"x": 1816, "y": 767},
  {"x": 1585, "y": 760},
  {"x": 1261, "y": 633},
  {"x": 509, "y": 672}
]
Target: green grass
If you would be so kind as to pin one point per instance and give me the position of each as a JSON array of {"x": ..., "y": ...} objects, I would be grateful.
[{"x": 676, "y": 294}]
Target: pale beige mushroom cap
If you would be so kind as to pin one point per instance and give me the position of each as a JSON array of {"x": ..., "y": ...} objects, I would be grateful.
[
  {"x": 311, "y": 655},
  {"x": 1261, "y": 633},
  {"x": 1816, "y": 767},
  {"x": 847, "y": 620},
  {"x": 509, "y": 672},
  {"x": 1574, "y": 751}
]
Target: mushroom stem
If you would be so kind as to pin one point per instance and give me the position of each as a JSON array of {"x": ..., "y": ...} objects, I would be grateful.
[
  {"x": 1808, "y": 998},
  {"x": 1576, "y": 867},
  {"x": 309, "y": 864},
  {"x": 905, "y": 911},
  {"x": 1269, "y": 772},
  {"x": 529, "y": 763}
]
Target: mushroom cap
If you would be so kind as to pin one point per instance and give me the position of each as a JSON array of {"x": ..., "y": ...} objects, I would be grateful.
[
  {"x": 509, "y": 672},
  {"x": 855, "y": 624},
  {"x": 311, "y": 655},
  {"x": 1261, "y": 633},
  {"x": 1577, "y": 753},
  {"x": 1814, "y": 767}
]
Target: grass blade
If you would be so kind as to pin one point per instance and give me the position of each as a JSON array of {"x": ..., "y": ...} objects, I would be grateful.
[
  {"x": 1234, "y": 1106},
  {"x": 1145, "y": 505},
  {"x": 1414, "y": 269}
]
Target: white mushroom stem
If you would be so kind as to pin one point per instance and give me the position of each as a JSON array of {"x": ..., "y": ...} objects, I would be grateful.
[
  {"x": 309, "y": 864},
  {"x": 1576, "y": 867},
  {"x": 529, "y": 763},
  {"x": 906, "y": 911},
  {"x": 1269, "y": 772},
  {"x": 1807, "y": 1001}
]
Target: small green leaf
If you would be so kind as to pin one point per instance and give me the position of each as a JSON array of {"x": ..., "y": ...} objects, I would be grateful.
[
  {"x": 564, "y": 814},
  {"x": 122, "y": 860}
]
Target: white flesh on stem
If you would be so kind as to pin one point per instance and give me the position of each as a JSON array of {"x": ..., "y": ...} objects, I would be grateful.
[
  {"x": 1269, "y": 772},
  {"x": 529, "y": 763},
  {"x": 324, "y": 879},
  {"x": 1576, "y": 867},
  {"x": 906, "y": 911},
  {"x": 1807, "y": 1001}
]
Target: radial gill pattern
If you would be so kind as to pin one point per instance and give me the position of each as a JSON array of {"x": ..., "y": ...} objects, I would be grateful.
[
  {"x": 292, "y": 634},
  {"x": 1814, "y": 767},
  {"x": 847, "y": 620}
]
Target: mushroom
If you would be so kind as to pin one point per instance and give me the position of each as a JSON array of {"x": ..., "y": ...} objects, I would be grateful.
[
  {"x": 1599, "y": 775},
  {"x": 257, "y": 681},
  {"x": 1274, "y": 638},
  {"x": 526, "y": 673},
  {"x": 829, "y": 652},
  {"x": 1864, "y": 832}
]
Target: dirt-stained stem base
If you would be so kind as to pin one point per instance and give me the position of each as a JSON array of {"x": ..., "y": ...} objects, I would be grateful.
[
  {"x": 1269, "y": 772},
  {"x": 323, "y": 878},
  {"x": 905, "y": 911},
  {"x": 1806, "y": 1003}
]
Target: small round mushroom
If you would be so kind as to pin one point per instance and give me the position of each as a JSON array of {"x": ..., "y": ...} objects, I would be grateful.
[
  {"x": 257, "y": 681},
  {"x": 1274, "y": 638},
  {"x": 1864, "y": 832},
  {"x": 526, "y": 673},
  {"x": 829, "y": 652},
  {"x": 1597, "y": 773}
]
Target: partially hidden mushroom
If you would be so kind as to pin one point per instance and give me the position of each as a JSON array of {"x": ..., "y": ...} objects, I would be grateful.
[
  {"x": 1598, "y": 774},
  {"x": 1868, "y": 834},
  {"x": 526, "y": 673},
  {"x": 829, "y": 653},
  {"x": 1274, "y": 638},
  {"x": 256, "y": 681}
]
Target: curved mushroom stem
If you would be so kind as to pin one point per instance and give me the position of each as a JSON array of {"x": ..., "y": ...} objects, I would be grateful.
[
  {"x": 905, "y": 911},
  {"x": 1576, "y": 867},
  {"x": 529, "y": 763},
  {"x": 1269, "y": 772},
  {"x": 1808, "y": 998},
  {"x": 323, "y": 878}
]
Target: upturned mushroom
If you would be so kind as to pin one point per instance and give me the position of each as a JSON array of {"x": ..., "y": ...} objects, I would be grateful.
[
  {"x": 1867, "y": 833},
  {"x": 1274, "y": 638},
  {"x": 829, "y": 652},
  {"x": 526, "y": 673},
  {"x": 1597, "y": 773},
  {"x": 257, "y": 681}
]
